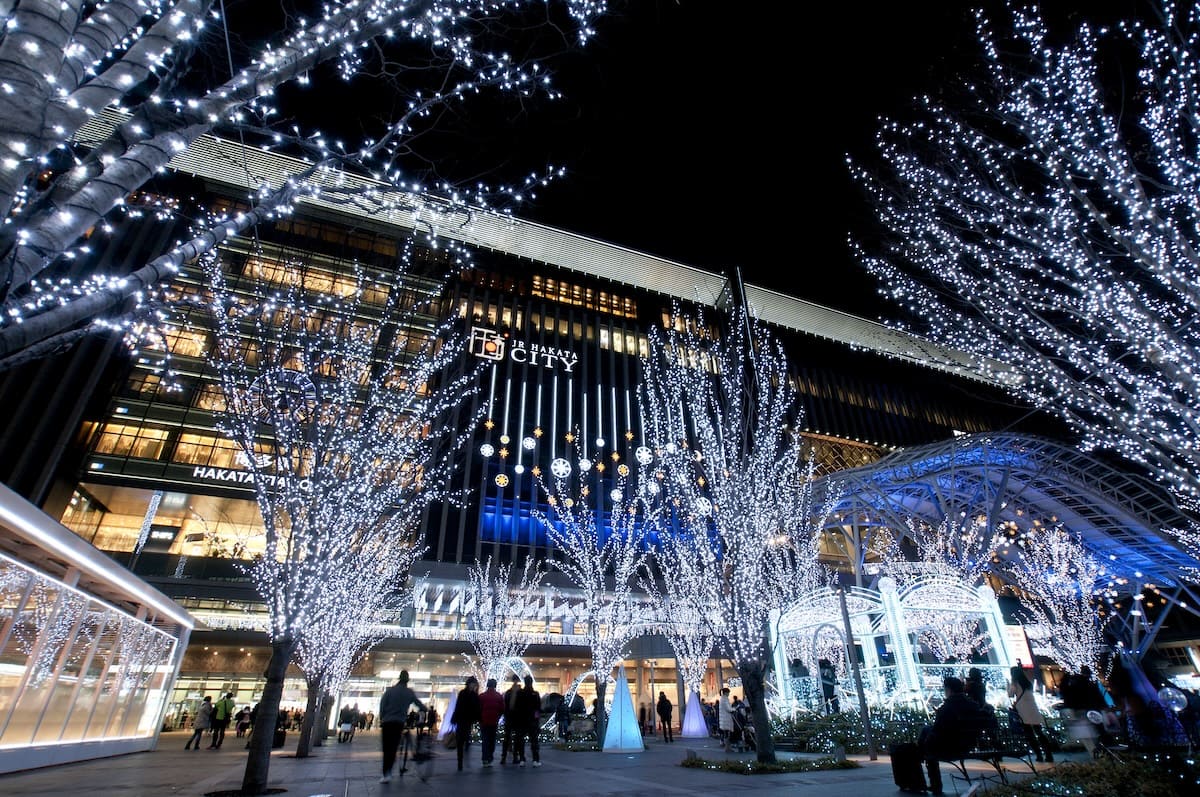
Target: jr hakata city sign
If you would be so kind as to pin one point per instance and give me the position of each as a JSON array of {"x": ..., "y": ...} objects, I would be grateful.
[{"x": 488, "y": 344}]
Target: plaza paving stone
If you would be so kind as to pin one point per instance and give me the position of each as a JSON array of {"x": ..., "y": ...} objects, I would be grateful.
[{"x": 352, "y": 770}]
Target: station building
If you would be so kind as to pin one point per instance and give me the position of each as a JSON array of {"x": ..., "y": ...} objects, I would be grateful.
[{"x": 138, "y": 470}]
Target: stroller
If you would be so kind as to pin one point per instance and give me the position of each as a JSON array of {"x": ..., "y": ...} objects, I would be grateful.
[{"x": 741, "y": 738}]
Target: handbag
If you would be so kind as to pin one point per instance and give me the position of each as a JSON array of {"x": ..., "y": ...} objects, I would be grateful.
[
  {"x": 1015, "y": 723},
  {"x": 347, "y": 727},
  {"x": 450, "y": 740}
]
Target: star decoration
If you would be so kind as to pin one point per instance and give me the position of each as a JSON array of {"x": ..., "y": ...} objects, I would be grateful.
[
  {"x": 489, "y": 424},
  {"x": 537, "y": 432},
  {"x": 629, "y": 434},
  {"x": 503, "y": 453}
]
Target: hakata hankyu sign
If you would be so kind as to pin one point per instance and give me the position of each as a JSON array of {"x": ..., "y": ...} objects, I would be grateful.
[{"x": 488, "y": 344}]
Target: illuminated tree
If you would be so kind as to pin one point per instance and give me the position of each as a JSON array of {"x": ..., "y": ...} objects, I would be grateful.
[
  {"x": 1058, "y": 584},
  {"x": 1047, "y": 224},
  {"x": 97, "y": 98},
  {"x": 341, "y": 410},
  {"x": 364, "y": 594},
  {"x": 720, "y": 415},
  {"x": 598, "y": 545},
  {"x": 496, "y": 609},
  {"x": 682, "y": 590},
  {"x": 686, "y": 601},
  {"x": 963, "y": 543}
]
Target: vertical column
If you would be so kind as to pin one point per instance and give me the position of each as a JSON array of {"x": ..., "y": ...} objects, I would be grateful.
[
  {"x": 783, "y": 679},
  {"x": 908, "y": 678},
  {"x": 994, "y": 622}
]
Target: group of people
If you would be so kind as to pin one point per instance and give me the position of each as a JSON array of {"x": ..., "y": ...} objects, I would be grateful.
[
  {"x": 214, "y": 717},
  {"x": 665, "y": 709},
  {"x": 733, "y": 722},
  {"x": 519, "y": 707},
  {"x": 350, "y": 719},
  {"x": 965, "y": 714}
]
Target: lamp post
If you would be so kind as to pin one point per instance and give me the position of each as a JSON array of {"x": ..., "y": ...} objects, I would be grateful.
[{"x": 652, "y": 711}]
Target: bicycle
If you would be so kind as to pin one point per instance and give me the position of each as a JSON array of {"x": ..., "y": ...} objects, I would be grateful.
[{"x": 421, "y": 748}]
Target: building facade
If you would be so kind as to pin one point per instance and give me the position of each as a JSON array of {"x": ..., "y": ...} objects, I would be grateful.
[{"x": 556, "y": 325}]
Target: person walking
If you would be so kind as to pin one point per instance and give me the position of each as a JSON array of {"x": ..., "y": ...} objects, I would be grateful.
[
  {"x": 664, "y": 716},
  {"x": 510, "y": 722},
  {"x": 202, "y": 722},
  {"x": 346, "y": 720},
  {"x": 1080, "y": 694},
  {"x": 829, "y": 687},
  {"x": 725, "y": 718},
  {"x": 466, "y": 714},
  {"x": 529, "y": 711},
  {"x": 222, "y": 715},
  {"x": 491, "y": 709},
  {"x": 1020, "y": 689},
  {"x": 393, "y": 714},
  {"x": 562, "y": 717}
]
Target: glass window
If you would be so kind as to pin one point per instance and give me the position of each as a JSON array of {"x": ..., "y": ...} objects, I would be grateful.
[{"x": 131, "y": 441}]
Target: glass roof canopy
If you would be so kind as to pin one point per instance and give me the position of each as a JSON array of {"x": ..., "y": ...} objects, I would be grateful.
[{"x": 1021, "y": 481}]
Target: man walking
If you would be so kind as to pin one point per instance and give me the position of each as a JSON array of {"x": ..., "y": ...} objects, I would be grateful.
[
  {"x": 529, "y": 711},
  {"x": 510, "y": 721},
  {"x": 491, "y": 709},
  {"x": 466, "y": 714},
  {"x": 664, "y": 716},
  {"x": 393, "y": 713},
  {"x": 222, "y": 714}
]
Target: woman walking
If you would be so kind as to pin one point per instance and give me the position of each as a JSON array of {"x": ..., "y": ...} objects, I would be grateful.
[
  {"x": 202, "y": 723},
  {"x": 1020, "y": 689}
]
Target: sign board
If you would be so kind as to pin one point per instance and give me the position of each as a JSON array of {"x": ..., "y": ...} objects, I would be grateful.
[{"x": 1018, "y": 644}]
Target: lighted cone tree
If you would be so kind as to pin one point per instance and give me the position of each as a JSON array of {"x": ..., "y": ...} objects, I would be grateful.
[
  {"x": 495, "y": 609},
  {"x": 1059, "y": 585},
  {"x": 720, "y": 414},
  {"x": 597, "y": 535},
  {"x": 96, "y": 99},
  {"x": 342, "y": 421},
  {"x": 1048, "y": 223}
]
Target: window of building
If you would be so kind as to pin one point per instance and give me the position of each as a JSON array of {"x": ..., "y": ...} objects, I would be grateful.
[{"x": 131, "y": 441}]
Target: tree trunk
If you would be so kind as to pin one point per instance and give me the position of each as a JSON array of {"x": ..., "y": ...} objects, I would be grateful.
[
  {"x": 321, "y": 732},
  {"x": 258, "y": 764},
  {"x": 601, "y": 715},
  {"x": 753, "y": 684},
  {"x": 310, "y": 713}
]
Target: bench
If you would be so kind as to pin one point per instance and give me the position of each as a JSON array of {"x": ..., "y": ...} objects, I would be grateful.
[{"x": 995, "y": 744}]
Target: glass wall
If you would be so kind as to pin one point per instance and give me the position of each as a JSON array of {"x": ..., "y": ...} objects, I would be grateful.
[{"x": 73, "y": 668}]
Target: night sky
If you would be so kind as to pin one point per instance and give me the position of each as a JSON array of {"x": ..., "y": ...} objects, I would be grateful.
[{"x": 715, "y": 133}]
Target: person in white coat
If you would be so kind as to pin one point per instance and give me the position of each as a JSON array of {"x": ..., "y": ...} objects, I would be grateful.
[
  {"x": 725, "y": 717},
  {"x": 1020, "y": 689}
]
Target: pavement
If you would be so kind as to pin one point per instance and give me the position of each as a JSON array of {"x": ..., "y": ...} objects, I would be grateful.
[{"x": 353, "y": 769}]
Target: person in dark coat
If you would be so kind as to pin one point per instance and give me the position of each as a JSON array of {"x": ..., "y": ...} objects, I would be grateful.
[
  {"x": 528, "y": 711},
  {"x": 976, "y": 689},
  {"x": 510, "y": 723},
  {"x": 664, "y": 715},
  {"x": 955, "y": 730},
  {"x": 466, "y": 714},
  {"x": 829, "y": 687}
]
